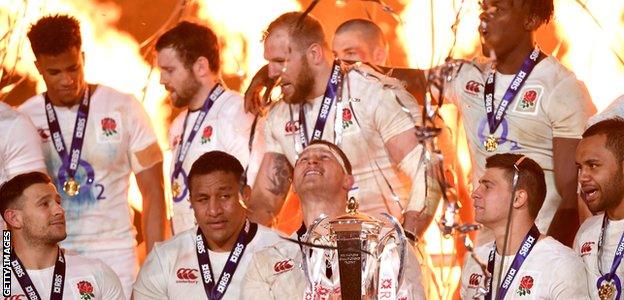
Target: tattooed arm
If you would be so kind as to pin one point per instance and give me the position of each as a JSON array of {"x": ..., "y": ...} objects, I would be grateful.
[{"x": 270, "y": 189}]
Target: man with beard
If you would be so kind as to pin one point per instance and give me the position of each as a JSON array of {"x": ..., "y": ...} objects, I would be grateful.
[
  {"x": 534, "y": 266},
  {"x": 322, "y": 178},
  {"x": 360, "y": 114},
  {"x": 31, "y": 207},
  {"x": 600, "y": 240},
  {"x": 94, "y": 137},
  {"x": 210, "y": 260},
  {"x": 213, "y": 117}
]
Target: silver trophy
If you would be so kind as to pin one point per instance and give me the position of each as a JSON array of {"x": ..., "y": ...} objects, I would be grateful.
[{"x": 355, "y": 245}]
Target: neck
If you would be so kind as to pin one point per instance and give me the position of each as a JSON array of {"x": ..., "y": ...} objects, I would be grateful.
[
  {"x": 226, "y": 245},
  {"x": 511, "y": 62},
  {"x": 200, "y": 97},
  {"x": 317, "y": 204},
  {"x": 518, "y": 230},
  {"x": 35, "y": 255},
  {"x": 56, "y": 100},
  {"x": 616, "y": 213},
  {"x": 320, "y": 80}
]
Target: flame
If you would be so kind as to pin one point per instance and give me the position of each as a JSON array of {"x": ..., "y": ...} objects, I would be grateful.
[{"x": 240, "y": 23}]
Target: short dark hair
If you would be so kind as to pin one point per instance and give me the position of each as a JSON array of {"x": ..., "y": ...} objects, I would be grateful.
[
  {"x": 543, "y": 10},
  {"x": 613, "y": 129},
  {"x": 530, "y": 178},
  {"x": 54, "y": 34},
  {"x": 11, "y": 190},
  {"x": 303, "y": 30},
  {"x": 192, "y": 41},
  {"x": 341, "y": 153},
  {"x": 370, "y": 30},
  {"x": 214, "y": 161}
]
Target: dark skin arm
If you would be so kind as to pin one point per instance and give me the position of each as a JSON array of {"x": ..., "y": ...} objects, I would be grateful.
[
  {"x": 154, "y": 216},
  {"x": 270, "y": 189},
  {"x": 566, "y": 220}
]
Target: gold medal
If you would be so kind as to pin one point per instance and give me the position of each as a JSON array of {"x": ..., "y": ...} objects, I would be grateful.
[
  {"x": 491, "y": 144},
  {"x": 606, "y": 291},
  {"x": 175, "y": 189},
  {"x": 71, "y": 187}
]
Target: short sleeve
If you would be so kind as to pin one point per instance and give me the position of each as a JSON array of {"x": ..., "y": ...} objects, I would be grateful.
[
  {"x": 570, "y": 279},
  {"x": 615, "y": 109},
  {"x": 23, "y": 149},
  {"x": 569, "y": 108},
  {"x": 255, "y": 286},
  {"x": 151, "y": 282},
  {"x": 109, "y": 283},
  {"x": 143, "y": 147},
  {"x": 389, "y": 117},
  {"x": 236, "y": 124}
]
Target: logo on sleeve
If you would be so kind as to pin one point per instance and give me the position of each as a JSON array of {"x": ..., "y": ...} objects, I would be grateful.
[
  {"x": 206, "y": 135},
  {"x": 85, "y": 289},
  {"x": 474, "y": 280},
  {"x": 291, "y": 127},
  {"x": 186, "y": 275},
  {"x": 283, "y": 266},
  {"x": 586, "y": 248},
  {"x": 528, "y": 100},
  {"x": 473, "y": 88},
  {"x": 526, "y": 283}
]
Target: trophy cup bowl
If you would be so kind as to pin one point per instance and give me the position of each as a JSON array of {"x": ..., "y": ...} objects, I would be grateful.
[{"x": 356, "y": 243}]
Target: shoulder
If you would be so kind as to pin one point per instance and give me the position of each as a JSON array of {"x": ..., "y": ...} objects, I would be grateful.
[
  {"x": 553, "y": 251},
  {"x": 79, "y": 263},
  {"x": 110, "y": 94},
  {"x": 590, "y": 226},
  {"x": 266, "y": 237},
  {"x": 278, "y": 111},
  {"x": 33, "y": 104},
  {"x": 230, "y": 103}
]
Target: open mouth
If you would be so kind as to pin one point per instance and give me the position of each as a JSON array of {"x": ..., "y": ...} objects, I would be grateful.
[
  {"x": 313, "y": 172},
  {"x": 589, "y": 193}
]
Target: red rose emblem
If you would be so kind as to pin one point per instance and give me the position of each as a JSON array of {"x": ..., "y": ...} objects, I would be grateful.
[
  {"x": 530, "y": 96},
  {"x": 86, "y": 290},
  {"x": 206, "y": 134},
  {"x": 526, "y": 282},
  {"x": 109, "y": 126},
  {"x": 346, "y": 114}
]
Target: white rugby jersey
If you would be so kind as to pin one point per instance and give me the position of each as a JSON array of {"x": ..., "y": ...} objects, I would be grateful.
[
  {"x": 551, "y": 271},
  {"x": 277, "y": 273},
  {"x": 552, "y": 103},
  {"x": 615, "y": 109},
  {"x": 372, "y": 104},
  {"x": 171, "y": 270},
  {"x": 586, "y": 245},
  {"x": 85, "y": 278},
  {"x": 226, "y": 128},
  {"x": 117, "y": 128},
  {"x": 20, "y": 146}
]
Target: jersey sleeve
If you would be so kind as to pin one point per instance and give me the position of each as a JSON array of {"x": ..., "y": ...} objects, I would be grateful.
[
  {"x": 271, "y": 143},
  {"x": 109, "y": 283},
  {"x": 151, "y": 282},
  {"x": 615, "y": 109},
  {"x": 23, "y": 149},
  {"x": 255, "y": 285},
  {"x": 389, "y": 117},
  {"x": 236, "y": 129},
  {"x": 143, "y": 146},
  {"x": 569, "y": 108}
]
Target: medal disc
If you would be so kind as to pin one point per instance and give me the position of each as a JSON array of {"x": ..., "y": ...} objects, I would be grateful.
[
  {"x": 606, "y": 291},
  {"x": 491, "y": 144},
  {"x": 175, "y": 189},
  {"x": 71, "y": 187}
]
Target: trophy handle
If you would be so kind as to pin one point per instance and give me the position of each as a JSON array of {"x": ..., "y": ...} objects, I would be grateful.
[
  {"x": 306, "y": 249},
  {"x": 402, "y": 245}
]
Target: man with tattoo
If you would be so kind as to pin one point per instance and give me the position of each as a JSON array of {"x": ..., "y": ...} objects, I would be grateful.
[
  {"x": 360, "y": 113},
  {"x": 322, "y": 179}
]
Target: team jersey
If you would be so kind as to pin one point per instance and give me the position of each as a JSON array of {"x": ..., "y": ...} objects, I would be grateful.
[
  {"x": 85, "y": 278},
  {"x": 20, "y": 146},
  {"x": 368, "y": 116},
  {"x": 171, "y": 270},
  {"x": 551, "y": 271},
  {"x": 118, "y": 127},
  {"x": 277, "y": 273},
  {"x": 586, "y": 245},
  {"x": 226, "y": 128},
  {"x": 615, "y": 109},
  {"x": 552, "y": 103}
]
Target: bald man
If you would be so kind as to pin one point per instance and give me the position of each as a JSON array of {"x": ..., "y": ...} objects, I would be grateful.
[{"x": 360, "y": 40}]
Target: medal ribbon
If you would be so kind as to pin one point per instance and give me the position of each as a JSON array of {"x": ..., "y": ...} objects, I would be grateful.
[
  {"x": 58, "y": 279},
  {"x": 619, "y": 252},
  {"x": 328, "y": 99},
  {"x": 494, "y": 120},
  {"x": 203, "y": 258},
  {"x": 216, "y": 91},
  {"x": 525, "y": 249},
  {"x": 71, "y": 159}
]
